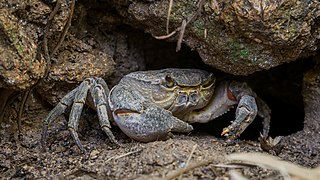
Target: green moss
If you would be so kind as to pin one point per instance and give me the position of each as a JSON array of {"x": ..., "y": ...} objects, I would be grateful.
[
  {"x": 16, "y": 40},
  {"x": 198, "y": 27},
  {"x": 19, "y": 46},
  {"x": 237, "y": 52},
  {"x": 244, "y": 54},
  {"x": 181, "y": 10}
]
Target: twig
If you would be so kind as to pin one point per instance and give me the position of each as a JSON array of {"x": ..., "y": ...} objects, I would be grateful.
[
  {"x": 168, "y": 15},
  {"x": 284, "y": 167},
  {"x": 191, "y": 166},
  {"x": 183, "y": 25},
  {"x": 123, "y": 155},
  {"x": 189, "y": 158},
  {"x": 169, "y": 35},
  {"x": 23, "y": 103},
  {"x": 45, "y": 38},
  {"x": 65, "y": 28},
  {"x": 183, "y": 28}
]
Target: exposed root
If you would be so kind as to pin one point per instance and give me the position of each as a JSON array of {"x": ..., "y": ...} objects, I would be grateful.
[
  {"x": 45, "y": 38},
  {"x": 168, "y": 15},
  {"x": 191, "y": 166},
  {"x": 183, "y": 28},
  {"x": 284, "y": 167},
  {"x": 123, "y": 155},
  {"x": 22, "y": 104},
  {"x": 65, "y": 28},
  {"x": 169, "y": 35},
  {"x": 183, "y": 25},
  {"x": 189, "y": 158}
]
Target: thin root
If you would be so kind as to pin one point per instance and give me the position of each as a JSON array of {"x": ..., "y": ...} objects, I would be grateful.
[
  {"x": 168, "y": 15},
  {"x": 22, "y": 104},
  {"x": 123, "y": 155},
  {"x": 183, "y": 24},
  {"x": 65, "y": 28},
  {"x": 191, "y": 166},
  {"x": 189, "y": 158}
]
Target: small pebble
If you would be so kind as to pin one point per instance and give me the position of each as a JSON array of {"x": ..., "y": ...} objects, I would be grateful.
[{"x": 94, "y": 154}]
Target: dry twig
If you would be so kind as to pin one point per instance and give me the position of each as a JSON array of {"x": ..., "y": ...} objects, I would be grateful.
[
  {"x": 168, "y": 15},
  {"x": 123, "y": 155},
  {"x": 65, "y": 28},
  {"x": 273, "y": 162},
  {"x": 191, "y": 166},
  {"x": 189, "y": 158},
  {"x": 183, "y": 25}
]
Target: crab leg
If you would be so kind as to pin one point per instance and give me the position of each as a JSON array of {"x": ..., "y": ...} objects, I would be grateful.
[
  {"x": 264, "y": 112},
  {"x": 79, "y": 101},
  {"x": 249, "y": 106},
  {"x": 101, "y": 105},
  {"x": 65, "y": 102}
]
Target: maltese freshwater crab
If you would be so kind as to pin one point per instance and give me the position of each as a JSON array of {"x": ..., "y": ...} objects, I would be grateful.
[{"x": 149, "y": 105}]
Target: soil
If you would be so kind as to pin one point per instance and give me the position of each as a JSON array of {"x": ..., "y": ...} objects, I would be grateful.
[{"x": 23, "y": 157}]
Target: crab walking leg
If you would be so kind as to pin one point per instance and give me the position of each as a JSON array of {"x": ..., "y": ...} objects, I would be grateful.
[
  {"x": 100, "y": 102},
  {"x": 104, "y": 86},
  {"x": 245, "y": 114},
  {"x": 79, "y": 101},
  {"x": 59, "y": 109},
  {"x": 264, "y": 112}
]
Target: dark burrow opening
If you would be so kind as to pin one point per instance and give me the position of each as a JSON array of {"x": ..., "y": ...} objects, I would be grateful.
[{"x": 279, "y": 87}]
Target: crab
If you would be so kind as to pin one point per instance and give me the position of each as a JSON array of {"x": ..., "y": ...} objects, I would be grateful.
[{"x": 150, "y": 105}]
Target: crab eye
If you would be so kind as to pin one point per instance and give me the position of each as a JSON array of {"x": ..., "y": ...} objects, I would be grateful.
[
  {"x": 210, "y": 81},
  {"x": 169, "y": 83}
]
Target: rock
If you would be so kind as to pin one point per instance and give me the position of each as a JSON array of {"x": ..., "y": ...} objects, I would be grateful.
[
  {"x": 238, "y": 37},
  {"x": 19, "y": 66},
  {"x": 94, "y": 154},
  {"x": 308, "y": 139},
  {"x": 76, "y": 61},
  {"x": 311, "y": 98}
]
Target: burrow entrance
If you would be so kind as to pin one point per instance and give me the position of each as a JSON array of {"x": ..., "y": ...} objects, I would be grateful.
[{"x": 279, "y": 87}]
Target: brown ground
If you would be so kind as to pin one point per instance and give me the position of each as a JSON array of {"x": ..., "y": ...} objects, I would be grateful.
[{"x": 22, "y": 157}]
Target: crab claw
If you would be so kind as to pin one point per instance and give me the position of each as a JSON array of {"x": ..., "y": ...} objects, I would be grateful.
[
  {"x": 225, "y": 132},
  {"x": 152, "y": 123},
  {"x": 245, "y": 114}
]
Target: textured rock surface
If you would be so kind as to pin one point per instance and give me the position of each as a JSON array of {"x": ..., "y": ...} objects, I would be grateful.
[
  {"x": 238, "y": 37},
  {"x": 311, "y": 96},
  {"x": 19, "y": 67},
  {"x": 308, "y": 140}
]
